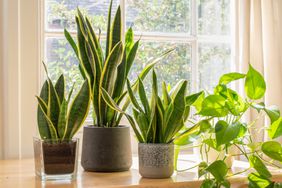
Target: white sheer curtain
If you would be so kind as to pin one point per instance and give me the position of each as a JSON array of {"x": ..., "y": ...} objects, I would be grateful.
[
  {"x": 1, "y": 82},
  {"x": 19, "y": 76},
  {"x": 259, "y": 39}
]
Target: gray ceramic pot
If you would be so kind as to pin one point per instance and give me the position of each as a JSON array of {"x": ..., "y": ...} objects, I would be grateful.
[
  {"x": 106, "y": 149},
  {"x": 156, "y": 160}
]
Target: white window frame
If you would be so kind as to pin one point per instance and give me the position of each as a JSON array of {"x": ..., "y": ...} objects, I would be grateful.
[{"x": 193, "y": 39}]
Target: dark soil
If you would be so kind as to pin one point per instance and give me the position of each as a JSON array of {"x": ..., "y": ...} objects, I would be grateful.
[{"x": 59, "y": 158}]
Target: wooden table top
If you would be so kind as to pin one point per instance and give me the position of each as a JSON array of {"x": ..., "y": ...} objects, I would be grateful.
[{"x": 20, "y": 173}]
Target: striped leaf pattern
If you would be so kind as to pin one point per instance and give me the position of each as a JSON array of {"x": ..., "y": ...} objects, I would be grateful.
[
  {"x": 107, "y": 68},
  {"x": 56, "y": 120},
  {"x": 161, "y": 121}
]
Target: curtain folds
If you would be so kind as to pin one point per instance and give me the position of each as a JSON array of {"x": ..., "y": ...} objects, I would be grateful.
[
  {"x": 1, "y": 81},
  {"x": 259, "y": 23}
]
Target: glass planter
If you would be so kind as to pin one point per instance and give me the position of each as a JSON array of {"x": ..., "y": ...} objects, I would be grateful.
[{"x": 55, "y": 159}]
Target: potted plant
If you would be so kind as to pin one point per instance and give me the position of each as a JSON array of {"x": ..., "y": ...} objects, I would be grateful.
[
  {"x": 106, "y": 144},
  {"x": 158, "y": 125},
  {"x": 55, "y": 152},
  {"x": 226, "y": 129}
]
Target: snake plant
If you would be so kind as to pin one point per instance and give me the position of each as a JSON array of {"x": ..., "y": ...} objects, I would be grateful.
[
  {"x": 161, "y": 121},
  {"x": 109, "y": 68},
  {"x": 56, "y": 119}
]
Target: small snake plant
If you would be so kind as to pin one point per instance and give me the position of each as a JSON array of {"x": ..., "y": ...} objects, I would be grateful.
[
  {"x": 163, "y": 120},
  {"x": 56, "y": 119}
]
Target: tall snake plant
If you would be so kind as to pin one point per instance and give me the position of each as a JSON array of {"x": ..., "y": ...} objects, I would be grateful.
[
  {"x": 109, "y": 68},
  {"x": 163, "y": 120},
  {"x": 56, "y": 119}
]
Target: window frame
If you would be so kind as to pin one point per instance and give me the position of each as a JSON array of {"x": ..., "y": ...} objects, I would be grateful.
[
  {"x": 23, "y": 50},
  {"x": 192, "y": 38}
]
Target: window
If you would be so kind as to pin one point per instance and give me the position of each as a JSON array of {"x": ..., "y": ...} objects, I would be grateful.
[{"x": 199, "y": 30}]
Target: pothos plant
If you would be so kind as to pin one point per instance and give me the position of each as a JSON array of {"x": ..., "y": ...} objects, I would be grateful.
[
  {"x": 58, "y": 118},
  {"x": 162, "y": 119},
  {"x": 222, "y": 128},
  {"x": 108, "y": 68}
]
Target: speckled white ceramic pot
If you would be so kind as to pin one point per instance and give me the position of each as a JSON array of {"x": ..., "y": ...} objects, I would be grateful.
[{"x": 156, "y": 160}]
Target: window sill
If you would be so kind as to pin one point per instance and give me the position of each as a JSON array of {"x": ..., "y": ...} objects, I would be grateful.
[{"x": 20, "y": 173}]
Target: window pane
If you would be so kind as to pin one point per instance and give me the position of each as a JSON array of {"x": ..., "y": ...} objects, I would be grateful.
[
  {"x": 60, "y": 58},
  {"x": 215, "y": 60},
  {"x": 214, "y": 17},
  {"x": 159, "y": 16},
  {"x": 60, "y": 13},
  {"x": 171, "y": 69}
]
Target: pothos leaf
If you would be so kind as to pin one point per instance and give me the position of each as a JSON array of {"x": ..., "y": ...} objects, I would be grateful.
[
  {"x": 254, "y": 84},
  {"x": 257, "y": 164},
  {"x": 226, "y": 133},
  {"x": 227, "y": 78},
  {"x": 257, "y": 181},
  {"x": 273, "y": 150},
  {"x": 218, "y": 169},
  {"x": 214, "y": 105},
  {"x": 275, "y": 129}
]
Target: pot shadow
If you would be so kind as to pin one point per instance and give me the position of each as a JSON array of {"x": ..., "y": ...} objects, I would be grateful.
[
  {"x": 150, "y": 181},
  {"x": 56, "y": 183}
]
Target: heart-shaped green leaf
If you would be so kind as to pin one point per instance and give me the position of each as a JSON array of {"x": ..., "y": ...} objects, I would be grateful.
[
  {"x": 229, "y": 77},
  {"x": 214, "y": 105},
  {"x": 205, "y": 125},
  {"x": 243, "y": 130},
  {"x": 235, "y": 103},
  {"x": 218, "y": 169},
  {"x": 257, "y": 181},
  {"x": 189, "y": 100},
  {"x": 202, "y": 169},
  {"x": 254, "y": 84},
  {"x": 272, "y": 149},
  {"x": 186, "y": 138},
  {"x": 273, "y": 113},
  {"x": 198, "y": 103},
  {"x": 275, "y": 129},
  {"x": 226, "y": 133}
]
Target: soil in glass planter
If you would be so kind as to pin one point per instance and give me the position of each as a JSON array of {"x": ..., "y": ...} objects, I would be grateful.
[{"x": 59, "y": 158}]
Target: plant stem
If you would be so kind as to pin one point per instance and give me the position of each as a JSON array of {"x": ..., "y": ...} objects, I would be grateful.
[
  {"x": 237, "y": 173},
  {"x": 242, "y": 151},
  {"x": 243, "y": 154},
  {"x": 206, "y": 152},
  {"x": 201, "y": 152},
  {"x": 270, "y": 163},
  {"x": 183, "y": 170},
  {"x": 255, "y": 120}
]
